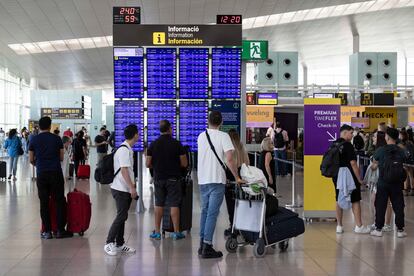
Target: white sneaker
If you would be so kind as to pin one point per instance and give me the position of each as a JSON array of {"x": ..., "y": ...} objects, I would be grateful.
[
  {"x": 339, "y": 229},
  {"x": 110, "y": 249},
  {"x": 373, "y": 227},
  {"x": 401, "y": 234},
  {"x": 376, "y": 233},
  {"x": 362, "y": 230},
  {"x": 125, "y": 249},
  {"x": 387, "y": 228}
]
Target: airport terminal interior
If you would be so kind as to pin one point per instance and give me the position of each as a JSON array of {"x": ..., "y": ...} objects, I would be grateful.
[{"x": 299, "y": 97}]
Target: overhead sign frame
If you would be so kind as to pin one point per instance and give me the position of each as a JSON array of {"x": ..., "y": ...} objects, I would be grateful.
[{"x": 177, "y": 35}]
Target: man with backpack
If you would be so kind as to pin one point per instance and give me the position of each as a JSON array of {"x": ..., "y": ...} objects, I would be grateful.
[
  {"x": 348, "y": 160},
  {"x": 390, "y": 160},
  {"x": 281, "y": 140},
  {"x": 123, "y": 190}
]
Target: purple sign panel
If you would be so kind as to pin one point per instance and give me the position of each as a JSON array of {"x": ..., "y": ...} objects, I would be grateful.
[
  {"x": 322, "y": 124},
  {"x": 267, "y": 98}
]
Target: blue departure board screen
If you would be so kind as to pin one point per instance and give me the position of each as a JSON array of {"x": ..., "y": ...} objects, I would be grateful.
[
  {"x": 161, "y": 73},
  {"x": 193, "y": 121},
  {"x": 226, "y": 73},
  {"x": 157, "y": 111},
  {"x": 129, "y": 72},
  {"x": 193, "y": 73},
  {"x": 126, "y": 113}
]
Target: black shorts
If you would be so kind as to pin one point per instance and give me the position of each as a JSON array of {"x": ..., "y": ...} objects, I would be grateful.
[
  {"x": 355, "y": 195},
  {"x": 168, "y": 193}
]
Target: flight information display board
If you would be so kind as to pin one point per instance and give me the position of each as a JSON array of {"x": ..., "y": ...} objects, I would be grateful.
[
  {"x": 126, "y": 113},
  {"x": 193, "y": 121},
  {"x": 157, "y": 111},
  {"x": 193, "y": 73},
  {"x": 226, "y": 73},
  {"x": 129, "y": 72},
  {"x": 161, "y": 73}
]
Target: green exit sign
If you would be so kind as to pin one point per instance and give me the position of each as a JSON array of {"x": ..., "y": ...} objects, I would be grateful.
[{"x": 255, "y": 50}]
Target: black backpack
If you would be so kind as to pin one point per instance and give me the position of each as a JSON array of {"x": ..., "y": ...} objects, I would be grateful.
[
  {"x": 105, "y": 173},
  {"x": 279, "y": 139},
  {"x": 331, "y": 160},
  {"x": 392, "y": 171}
]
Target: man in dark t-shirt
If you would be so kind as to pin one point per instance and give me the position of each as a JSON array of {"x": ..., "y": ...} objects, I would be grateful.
[
  {"x": 167, "y": 157},
  {"x": 348, "y": 159},
  {"x": 385, "y": 190},
  {"x": 101, "y": 144},
  {"x": 46, "y": 153}
]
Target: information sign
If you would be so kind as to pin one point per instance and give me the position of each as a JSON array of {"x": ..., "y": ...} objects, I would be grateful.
[
  {"x": 230, "y": 110},
  {"x": 193, "y": 121},
  {"x": 129, "y": 72},
  {"x": 267, "y": 99},
  {"x": 226, "y": 73},
  {"x": 194, "y": 72},
  {"x": 161, "y": 73},
  {"x": 126, "y": 113}
]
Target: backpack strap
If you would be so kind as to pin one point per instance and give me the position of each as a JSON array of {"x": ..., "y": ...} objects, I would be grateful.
[
  {"x": 121, "y": 146},
  {"x": 214, "y": 151}
]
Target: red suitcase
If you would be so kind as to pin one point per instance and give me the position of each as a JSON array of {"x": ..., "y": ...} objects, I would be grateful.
[
  {"x": 79, "y": 212},
  {"x": 84, "y": 171},
  {"x": 53, "y": 215}
]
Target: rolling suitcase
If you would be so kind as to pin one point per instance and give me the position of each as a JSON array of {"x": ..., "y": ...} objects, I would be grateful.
[
  {"x": 3, "y": 170},
  {"x": 186, "y": 209},
  {"x": 53, "y": 215},
  {"x": 84, "y": 171},
  {"x": 282, "y": 226},
  {"x": 79, "y": 212}
]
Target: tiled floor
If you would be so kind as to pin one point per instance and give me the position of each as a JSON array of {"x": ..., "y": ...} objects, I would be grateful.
[{"x": 318, "y": 252}]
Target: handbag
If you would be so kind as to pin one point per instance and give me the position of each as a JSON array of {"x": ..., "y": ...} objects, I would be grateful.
[
  {"x": 229, "y": 174},
  {"x": 20, "y": 150}
]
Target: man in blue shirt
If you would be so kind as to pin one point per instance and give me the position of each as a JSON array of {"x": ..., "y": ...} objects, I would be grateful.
[{"x": 46, "y": 153}]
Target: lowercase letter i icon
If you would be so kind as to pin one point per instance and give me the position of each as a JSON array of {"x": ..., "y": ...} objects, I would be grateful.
[{"x": 158, "y": 38}]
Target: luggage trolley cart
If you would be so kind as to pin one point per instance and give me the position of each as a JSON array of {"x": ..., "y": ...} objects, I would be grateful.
[{"x": 249, "y": 219}]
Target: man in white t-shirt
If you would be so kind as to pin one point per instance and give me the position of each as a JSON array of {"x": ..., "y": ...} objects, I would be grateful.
[
  {"x": 212, "y": 179},
  {"x": 123, "y": 190}
]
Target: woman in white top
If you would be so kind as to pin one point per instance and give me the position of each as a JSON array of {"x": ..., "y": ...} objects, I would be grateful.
[{"x": 67, "y": 149}]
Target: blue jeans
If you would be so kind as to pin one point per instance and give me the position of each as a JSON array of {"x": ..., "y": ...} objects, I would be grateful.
[
  {"x": 13, "y": 165},
  {"x": 281, "y": 167},
  {"x": 211, "y": 199}
]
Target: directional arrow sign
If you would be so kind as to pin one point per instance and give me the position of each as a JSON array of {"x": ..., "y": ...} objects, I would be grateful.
[
  {"x": 322, "y": 123},
  {"x": 332, "y": 137}
]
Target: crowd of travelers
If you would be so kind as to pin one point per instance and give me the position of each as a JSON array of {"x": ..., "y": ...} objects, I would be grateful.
[
  {"x": 380, "y": 161},
  {"x": 220, "y": 159}
]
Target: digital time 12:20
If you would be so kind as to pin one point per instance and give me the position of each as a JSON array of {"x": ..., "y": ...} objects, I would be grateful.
[{"x": 229, "y": 19}]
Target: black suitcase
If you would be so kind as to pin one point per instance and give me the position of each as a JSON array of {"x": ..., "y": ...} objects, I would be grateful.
[
  {"x": 3, "y": 170},
  {"x": 186, "y": 209},
  {"x": 284, "y": 225}
]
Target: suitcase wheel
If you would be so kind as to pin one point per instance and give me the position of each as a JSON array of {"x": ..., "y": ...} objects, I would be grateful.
[
  {"x": 283, "y": 246},
  {"x": 81, "y": 233},
  {"x": 231, "y": 245},
  {"x": 259, "y": 248}
]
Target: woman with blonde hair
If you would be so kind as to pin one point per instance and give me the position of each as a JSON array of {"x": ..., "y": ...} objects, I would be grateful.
[
  {"x": 267, "y": 162},
  {"x": 241, "y": 157}
]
